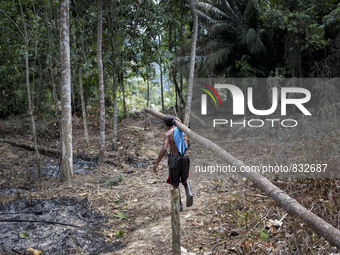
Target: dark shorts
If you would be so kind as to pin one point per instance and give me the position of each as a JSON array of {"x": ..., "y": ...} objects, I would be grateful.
[{"x": 181, "y": 173}]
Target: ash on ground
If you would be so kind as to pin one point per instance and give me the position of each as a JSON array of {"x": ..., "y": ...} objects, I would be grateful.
[
  {"x": 50, "y": 167},
  {"x": 51, "y": 238},
  {"x": 15, "y": 190}
]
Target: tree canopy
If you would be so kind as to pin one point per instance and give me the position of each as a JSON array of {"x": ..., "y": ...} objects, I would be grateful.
[{"x": 235, "y": 39}]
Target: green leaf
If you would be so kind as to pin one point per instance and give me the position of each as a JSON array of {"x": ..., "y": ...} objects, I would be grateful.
[
  {"x": 264, "y": 235},
  {"x": 121, "y": 216},
  {"x": 119, "y": 233},
  {"x": 118, "y": 201},
  {"x": 121, "y": 177},
  {"x": 23, "y": 234}
]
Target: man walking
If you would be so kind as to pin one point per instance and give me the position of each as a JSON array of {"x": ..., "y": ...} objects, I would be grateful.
[{"x": 180, "y": 164}]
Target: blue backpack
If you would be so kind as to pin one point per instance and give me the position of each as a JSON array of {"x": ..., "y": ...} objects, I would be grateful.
[{"x": 179, "y": 141}]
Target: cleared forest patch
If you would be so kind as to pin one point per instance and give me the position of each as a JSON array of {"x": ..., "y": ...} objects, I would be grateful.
[{"x": 132, "y": 204}]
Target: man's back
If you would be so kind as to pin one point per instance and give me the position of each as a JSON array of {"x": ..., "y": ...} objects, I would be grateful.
[{"x": 170, "y": 135}]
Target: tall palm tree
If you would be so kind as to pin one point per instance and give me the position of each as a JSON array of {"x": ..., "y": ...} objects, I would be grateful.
[{"x": 231, "y": 29}]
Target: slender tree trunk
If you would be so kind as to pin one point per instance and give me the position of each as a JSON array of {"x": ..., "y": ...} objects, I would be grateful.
[
  {"x": 30, "y": 108},
  {"x": 162, "y": 90},
  {"x": 35, "y": 58},
  {"x": 55, "y": 19},
  {"x": 86, "y": 133},
  {"x": 192, "y": 63},
  {"x": 50, "y": 63},
  {"x": 66, "y": 172},
  {"x": 290, "y": 205},
  {"x": 174, "y": 71},
  {"x": 148, "y": 93},
  {"x": 160, "y": 67},
  {"x": 177, "y": 90},
  {"x": 147, "y": 103},
  {"x": 170, "y": 38},
  {"x": 181, "y": 45},
  {"x": 114, "y": 89},
  {"x": 54, "y": 90},
  {"x": 181, "y": 105},
  {"x": 73, "y": 98},
  {"x": 123, "y": 89},
  {"x": 176, "y": 104},
  {"x": 130, "y": 106},
  {"x": 40, "y": 92},
  {"x": 101, "y": 82},
  {"x": 114, "y": 82}
]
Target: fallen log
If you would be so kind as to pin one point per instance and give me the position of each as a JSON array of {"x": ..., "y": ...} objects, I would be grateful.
[
  {"x": 54, "y": 152},
  {"x": 41, "y": 221},
  {"x": 290, "y": 205}
]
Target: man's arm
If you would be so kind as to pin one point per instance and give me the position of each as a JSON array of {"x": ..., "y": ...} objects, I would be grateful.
[{"x": 162, "y": 152}]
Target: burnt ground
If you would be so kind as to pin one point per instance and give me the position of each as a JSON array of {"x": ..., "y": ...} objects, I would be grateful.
[
  {"x": 54, "y": 226},
  {"x": 124, "y": 208}
]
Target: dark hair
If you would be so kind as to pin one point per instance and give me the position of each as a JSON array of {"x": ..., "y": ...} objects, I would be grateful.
[{"x": 169, "y": 120}]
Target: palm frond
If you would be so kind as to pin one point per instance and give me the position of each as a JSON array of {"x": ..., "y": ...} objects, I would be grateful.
[
  {"x": 218, "y": 57},
  {"x": 251, "y": 7},
  {"x": 215, "y": 44},
  {"x": 184, "y": 68},
  {"x": 220, "y": 27},
  {"x": 186, "y": 59},
  {"x": 248, "y": 35},
  {"x": 253, "y": 41},
  {"x": 205, "y": 18},
  {"x": 213, "y": 10},
  {"x": 228, "y": 6}
]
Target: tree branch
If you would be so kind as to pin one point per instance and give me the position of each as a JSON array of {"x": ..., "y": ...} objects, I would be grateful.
[{"x": 23, "y": 36}]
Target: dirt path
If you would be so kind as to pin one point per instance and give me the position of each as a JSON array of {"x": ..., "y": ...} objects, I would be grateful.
[{"x": 155, "y": 237}]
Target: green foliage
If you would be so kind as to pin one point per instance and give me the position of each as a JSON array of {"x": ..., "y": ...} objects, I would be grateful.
[
  {"x": 119, "y": 215},
  {"x": 333, "y": 17},
  {"x": 234, "y": 29},
  {"x": 240, "y": 218},
  {"x": 246, "y": 38},
  {"x": 264, "y": 235},
  {"x": 23, "y": 234},
  {"x": 119, "y": 234},
  {"x": 118, "y": 201},
  {"x": 128, "y": 26},
  {"x": 246, "y": 70},
  {"x": 301, "y": 27},
  {"x": 121, "y": 177}
]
